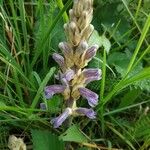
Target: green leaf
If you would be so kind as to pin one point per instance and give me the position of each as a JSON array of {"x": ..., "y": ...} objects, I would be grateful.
[
  {"x": 73, "y": 134},
  {"x": 54, "y": 104},
  {"x": 120, "y": 61},
  {"x": 100, "y": 41},
  {"x": 44, "y": 140},
  {"x": 106, "y": 43},
  {"x": 129, "y": 97},
  {"x": 95, "y": 39}
]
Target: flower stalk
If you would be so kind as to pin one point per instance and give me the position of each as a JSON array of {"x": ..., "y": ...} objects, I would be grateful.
[{"x": 73, "y": 75}]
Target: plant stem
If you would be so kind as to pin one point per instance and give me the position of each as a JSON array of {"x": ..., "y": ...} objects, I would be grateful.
[{"x": 61, "y": 6}]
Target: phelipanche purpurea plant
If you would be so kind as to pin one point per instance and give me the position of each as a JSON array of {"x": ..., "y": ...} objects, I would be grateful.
[{"x": 76, "y": 54}]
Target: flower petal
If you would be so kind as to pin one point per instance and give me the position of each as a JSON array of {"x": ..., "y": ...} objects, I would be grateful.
[
  {"x": 91, "y": 52},
  {"x": 90, "y": 113},
  {"x": 66, "y": 49},
  {"x": 59, "y": 59},
  {"x": 61, "y": 118},
  {"x": 53, "y": 89},
  {"x": 92, "y": 75},
  {"x": 69, "y": 75},
  {"x": 90, "y": 96}
]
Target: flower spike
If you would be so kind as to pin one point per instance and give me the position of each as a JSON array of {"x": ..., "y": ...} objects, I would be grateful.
[{"x": 76, "y": 54}]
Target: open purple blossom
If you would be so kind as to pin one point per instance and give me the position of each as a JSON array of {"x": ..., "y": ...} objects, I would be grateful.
[
  {"x": 91, "y": 52},
  {"x": 64, "y": 46},
  {"x": 53, "y": 89},
  {"x": 59, "y": 59},
  {"x": 92, "y": 75},
  {"x": 65, "y": 77},
  {"x": 90, "y": 96},
  {"x": 90, "y": 113},
  {"x": 68, "y": 75},
  {"x": 61, "y": 118}
]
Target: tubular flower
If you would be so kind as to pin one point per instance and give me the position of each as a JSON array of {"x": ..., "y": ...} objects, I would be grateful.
[
  {"x": 76, "y": 54},
  {"x": 60, "y": 119}
]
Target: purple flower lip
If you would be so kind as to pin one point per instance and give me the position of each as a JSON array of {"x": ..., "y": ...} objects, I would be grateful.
[
  {"x": 59, "y": 59},
  {"x": 69, "y": 75},
  {"x": 92, "y": 75},
  {"x": 61, "y": 118},
  {"x": 66, "y": 49},
  {"x": 53, "y": 89},
  {"x": 91, "y": 52},
  {"x": 65, "y": 77},
  {"x": 90, "y": 113},
  {"x": 90, "y": 96}
]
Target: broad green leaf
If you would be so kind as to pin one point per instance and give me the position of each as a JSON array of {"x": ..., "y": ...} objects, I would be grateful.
[
  {"x": 95, "y": 39},
  {"x": 100, "y": 41},
  {"x": 120, "y": 61},
  {"x": 130, "y": 97},
  {"x": 106, "y": 43},
  {"x": 54, "y": 104},
  {"x": 44, "y": 140},
  {"x": 73, "y": 134}
]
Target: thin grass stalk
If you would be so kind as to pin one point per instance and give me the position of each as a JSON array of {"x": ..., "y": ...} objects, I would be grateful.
[
  {"x": 61, "y": 6},
  {"x": 45, "y": 38}
]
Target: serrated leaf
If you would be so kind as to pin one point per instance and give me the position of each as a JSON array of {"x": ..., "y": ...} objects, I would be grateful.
[
  {"x": 95, "y": 39},
  {"x": 73, "y": 134},
  {"x": 44, "y": 140},
  {"x": 54, "y": 104},
  {"x": 120, "y": 61},
  {"x": 129, "y": 97},
  {"x": 105, "y": 43},
  {"x": 100, "y": 41}
]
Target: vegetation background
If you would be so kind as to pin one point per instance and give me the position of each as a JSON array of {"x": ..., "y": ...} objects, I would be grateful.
[{"x": 30, "y": 31}]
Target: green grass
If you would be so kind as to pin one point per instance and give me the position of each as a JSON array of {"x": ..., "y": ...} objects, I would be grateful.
[{"x": 30, "y": 32}]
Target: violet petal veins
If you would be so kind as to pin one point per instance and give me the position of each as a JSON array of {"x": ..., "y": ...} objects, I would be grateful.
[
  {"x": 92, "y": 75},
  {"x": 61, "y": 118},
  {"x": 53, "y": 89},
  {"x": 90, "y": 96},
  {"x": 59, "y": 59},
  {"x": 90, "y": 113},
  {"x": 91, "y": 52}
]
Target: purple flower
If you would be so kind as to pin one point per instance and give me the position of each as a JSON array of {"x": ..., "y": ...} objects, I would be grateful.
[
  {"x": 65, "y": 77},
  {"x": 91, "y": 52},
  {"x": 43, "y": 106},
  {"x": 53, "y": 89},
  {"x": 69, "y": 75},
  {"x": 90, "y": 113},
  {"x": 61, "y": 118},
  {"x": 66, "y": 49},
  {"x": 90, "y": 96},
  {"x": 59, "y": 59},
  {"x": 92, "y": 75}
]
